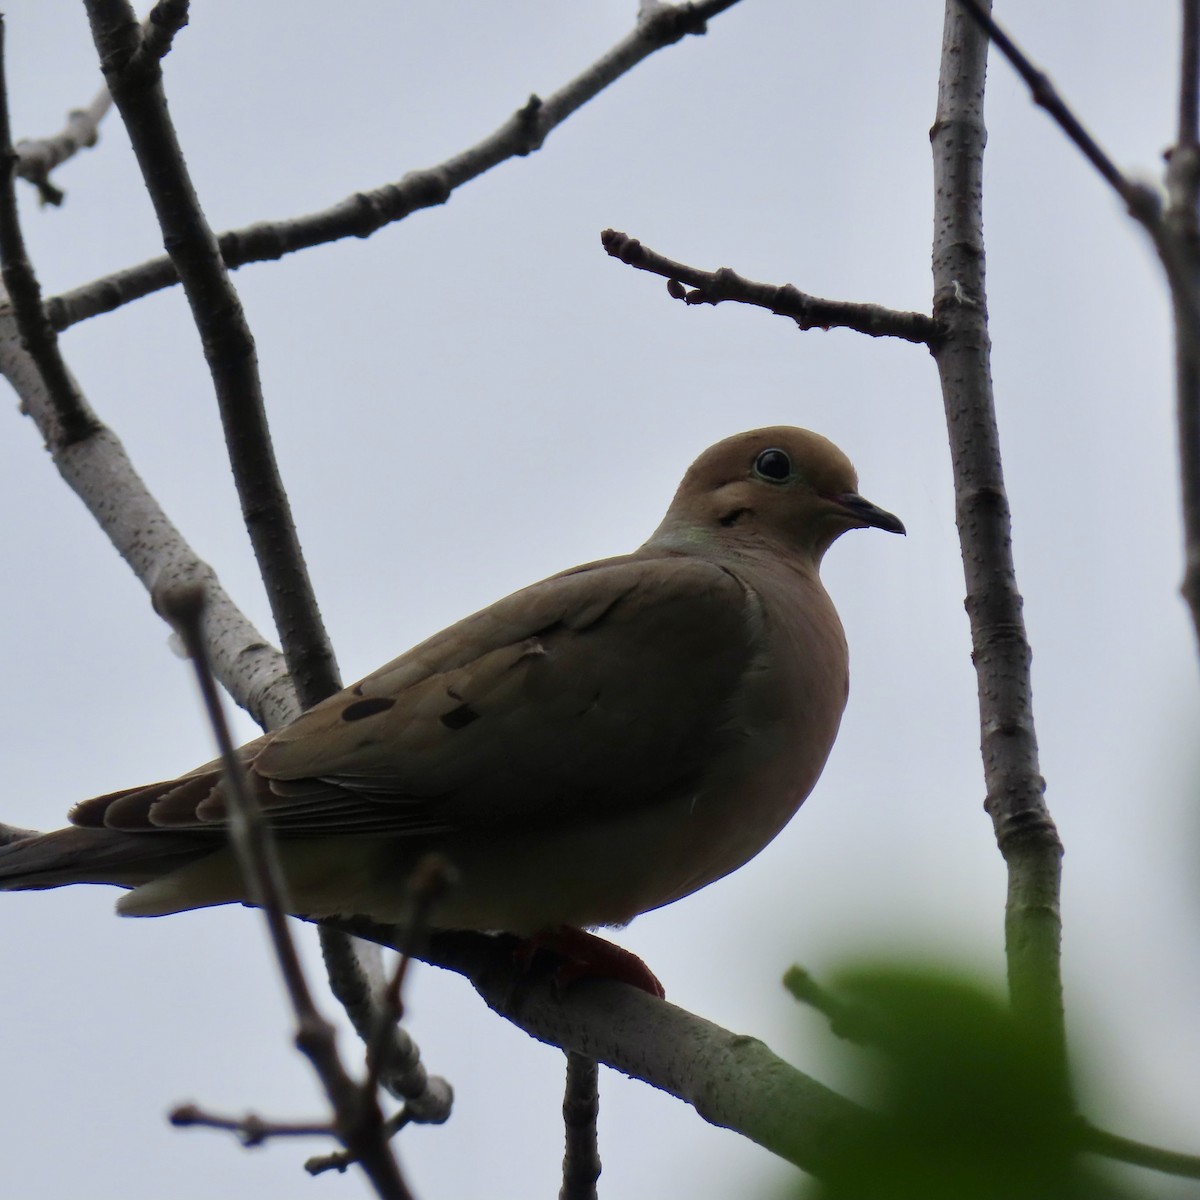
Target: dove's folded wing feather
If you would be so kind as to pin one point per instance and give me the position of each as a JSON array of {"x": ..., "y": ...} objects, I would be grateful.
[{"x": 582, "y": 695}]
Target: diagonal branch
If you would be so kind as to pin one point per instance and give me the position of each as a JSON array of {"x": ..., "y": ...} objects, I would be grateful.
[
  {"x": 73, "y": 419},
  {"x": 784, "y": 300},
  {"x": 1175, "y": 239},
  {"x": 1024, "y": 829},
  {"x": 359, "y": 1122},
  {"x": 94, "y": 465},
  {"x": 365, "y": 212},
  {"x": 134, "y": 78}
]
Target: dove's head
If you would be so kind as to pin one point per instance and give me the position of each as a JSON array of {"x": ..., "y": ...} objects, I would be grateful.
[{"x": 782, "y": 487}]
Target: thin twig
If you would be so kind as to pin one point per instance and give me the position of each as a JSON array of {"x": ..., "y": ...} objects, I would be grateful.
[
  {"x": 1189, "y": 75},
  {"x": 341, "y": 1160},
  {"x": 1142, "y": 202},
  {"x": 428, "y": 883},
  {"x": 134, "y": 78},
  {"x": 1123, "y": 1149},
  {"x": 1046, "y": 96},
  {"x": 784, "y": 300},
  {"x": 355, "y": 970},
  {"x": 1176, "y": 241},
  {"x": 1015, "y": 800},
  {"x": 251, "y": 1130},
  {"x": 581, "y": 1107},
  {"x": 164, "y": 21},
  {"x": 359, "y": 1121},
  {"x": 847, "y": 1021},
  {"x": 72, "y": 417},
  {"x": 37, "y": 157},
  {"x": 1183, "y": 196},
  {"x": 365, "y": 212}
]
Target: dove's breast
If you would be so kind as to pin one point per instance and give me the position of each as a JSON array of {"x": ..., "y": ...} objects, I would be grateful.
[{"x": 766, "y": 754}]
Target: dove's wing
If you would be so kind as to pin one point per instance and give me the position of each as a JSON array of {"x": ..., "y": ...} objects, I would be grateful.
[{"x": 588, "y": 693}]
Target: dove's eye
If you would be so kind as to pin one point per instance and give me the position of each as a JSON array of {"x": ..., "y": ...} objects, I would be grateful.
[{"x": 773, "y": 465}]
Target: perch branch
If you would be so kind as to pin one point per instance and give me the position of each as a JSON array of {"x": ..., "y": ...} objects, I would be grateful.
[
  {"x": 732, "y": 1081},
  {"x": 1015, "y": 801},
  {"x": 784, "y": 300},
  {"x": 365, "y": 212}
]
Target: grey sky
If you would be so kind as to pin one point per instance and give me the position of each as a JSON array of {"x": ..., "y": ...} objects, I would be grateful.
[{"x": 478, "y": 397}]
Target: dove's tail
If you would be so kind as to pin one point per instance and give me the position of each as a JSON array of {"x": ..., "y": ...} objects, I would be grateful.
[{"x": 31, "y": 860}]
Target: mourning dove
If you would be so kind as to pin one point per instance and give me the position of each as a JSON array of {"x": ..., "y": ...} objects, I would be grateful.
[{"x": 589, "y": 748}]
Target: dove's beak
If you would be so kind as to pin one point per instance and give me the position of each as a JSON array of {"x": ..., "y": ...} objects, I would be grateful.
[{"x": 869, "y": 514}]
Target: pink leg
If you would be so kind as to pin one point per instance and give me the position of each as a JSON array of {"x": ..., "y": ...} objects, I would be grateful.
[{"x": 586, "y": 956}]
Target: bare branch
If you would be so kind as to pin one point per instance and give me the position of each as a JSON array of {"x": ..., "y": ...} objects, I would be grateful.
[
  {"x": 365, "y": 212},
  {"x": 340, "y": 1161},
  {"x": 251, "y": 1130},
  {"x": 37, "y": 157},
  {"x": 1046, "y": 96},
  {"x": 1024, "y": 829},
  {"x": 1183, "y": 193},
  {"x": 429, "y": 881},
  {"x": 732, "y": 1081},
  {"x": 1176, "y": 242},
  {"x": 72, "y": 417},
  {"x": 1122, "y": 1149},
  {"x": 165, "y": 20},
  {"x": 97, "y": 469},
  {"x": 581, "y": 1106},
  {"x": 1189, "y": 76},
  {"x": 134, "y": 79},
  {"x": 355, "y": 970},
  {"x": 94, "y": 464},
  {"x": 784, "y": 300},
  {"x": 359, "y": 1121},
  {"x": 847, "y": 1021}
]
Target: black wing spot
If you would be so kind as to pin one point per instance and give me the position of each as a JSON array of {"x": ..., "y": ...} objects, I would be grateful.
[
  {"x": 460, "y": 717},
  {"x": 366, "y": 708}
]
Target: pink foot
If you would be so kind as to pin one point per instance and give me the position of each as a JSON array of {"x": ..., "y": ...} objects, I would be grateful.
[{"x": 586, "y": 956}]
